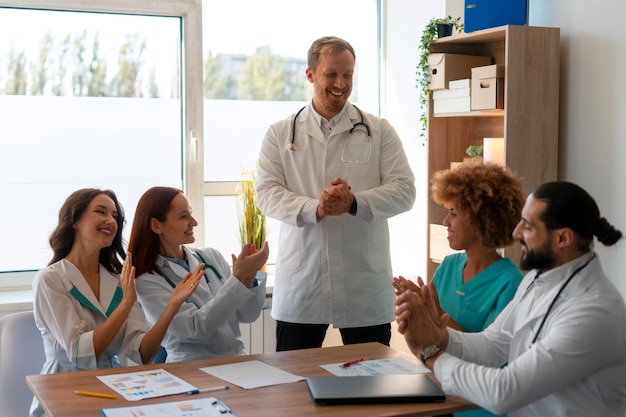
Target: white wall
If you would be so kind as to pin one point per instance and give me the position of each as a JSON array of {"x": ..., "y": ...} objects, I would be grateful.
[
  {"x": 592, "y": 139},
  {"x": 404, "y": 21}
]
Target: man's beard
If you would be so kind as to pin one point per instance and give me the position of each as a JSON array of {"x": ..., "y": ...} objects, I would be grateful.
[{"x": 542, "y": 258}]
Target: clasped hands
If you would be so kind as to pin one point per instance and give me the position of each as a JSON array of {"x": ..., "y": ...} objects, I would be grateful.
[
  {"x": 417, "y": 315},
  {"x": 336, "y": 199}
]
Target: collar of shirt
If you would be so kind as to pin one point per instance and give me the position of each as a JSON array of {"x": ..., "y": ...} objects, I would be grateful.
[
  {"x": 181, "y": 262},
  {"x": 327, "y": 125},
  {"x": 168, "y": 263},
  {"x": 172, "y": 270},
  {"x": 556, "y": 276}
]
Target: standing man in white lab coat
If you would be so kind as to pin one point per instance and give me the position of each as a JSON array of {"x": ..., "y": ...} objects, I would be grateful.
[{"x": 333, "y": 175}]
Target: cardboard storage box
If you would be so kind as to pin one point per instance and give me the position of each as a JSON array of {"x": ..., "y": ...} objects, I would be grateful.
[
  {"x": 448, "y": 67},
  {"x": 487, "y": 87}
]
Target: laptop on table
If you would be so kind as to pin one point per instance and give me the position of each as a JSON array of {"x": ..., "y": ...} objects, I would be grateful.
[{"x": 374, "y": 389}]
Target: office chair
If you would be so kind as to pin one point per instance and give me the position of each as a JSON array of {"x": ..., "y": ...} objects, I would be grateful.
[
  {"x": 21, "y": 354},
  {"x": 160, "y": 356}
]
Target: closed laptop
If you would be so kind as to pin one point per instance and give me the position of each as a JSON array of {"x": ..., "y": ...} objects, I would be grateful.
[{"x": 374, "y": 389}]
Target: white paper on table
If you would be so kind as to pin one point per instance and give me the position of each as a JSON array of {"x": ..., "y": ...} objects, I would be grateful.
[
  {"x": 135, "y": 386},
  {"x": 391, "y": 366},
  {"x": 251, "y": 374}
]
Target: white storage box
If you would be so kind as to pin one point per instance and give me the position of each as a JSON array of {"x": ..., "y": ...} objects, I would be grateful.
[{"x": 451, "y": 101}]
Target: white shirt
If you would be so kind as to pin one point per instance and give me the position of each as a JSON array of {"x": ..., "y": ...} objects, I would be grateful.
[
  {"x": 337, "y": 271},
  {"x": 207, "y": 324},
  {"x": 577, "y": 366}
]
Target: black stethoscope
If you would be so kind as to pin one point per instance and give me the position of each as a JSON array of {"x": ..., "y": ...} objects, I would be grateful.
[
  {"x": 556, "y": 297},
  {"x": 291, "y": 146}
]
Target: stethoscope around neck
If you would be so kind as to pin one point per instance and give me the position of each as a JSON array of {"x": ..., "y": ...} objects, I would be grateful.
[
  {"x": 291, "y": 146},
  {"x": 206, "y": 266},
  {"x": 556, "y": 297}
]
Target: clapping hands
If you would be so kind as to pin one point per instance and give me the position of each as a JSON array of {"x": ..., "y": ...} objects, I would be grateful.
[
  {"x": 417, "y": 315},
  {"x": 249, "y": 261}
]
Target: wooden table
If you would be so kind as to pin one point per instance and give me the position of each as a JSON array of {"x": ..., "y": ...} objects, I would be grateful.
[{"x": 56, "y": 392}]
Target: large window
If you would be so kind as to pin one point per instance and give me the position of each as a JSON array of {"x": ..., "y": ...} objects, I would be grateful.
[
  {"x": 90, "y": 96},
  {"x": 130, "y": 95}
]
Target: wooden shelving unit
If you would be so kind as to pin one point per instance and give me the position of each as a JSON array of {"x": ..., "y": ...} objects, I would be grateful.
[{"x": 528, "y": 123}]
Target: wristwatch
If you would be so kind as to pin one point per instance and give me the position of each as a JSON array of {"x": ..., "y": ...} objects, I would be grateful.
[{"x": 428, "y": 351}]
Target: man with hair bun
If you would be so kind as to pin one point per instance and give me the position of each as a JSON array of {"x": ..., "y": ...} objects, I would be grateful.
[{"x": 557, "y": 349}]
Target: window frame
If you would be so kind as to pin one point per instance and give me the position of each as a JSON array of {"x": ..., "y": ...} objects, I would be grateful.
[{"x": 190, "y": 13}]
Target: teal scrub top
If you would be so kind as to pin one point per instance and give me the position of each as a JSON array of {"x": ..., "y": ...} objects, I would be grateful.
[{"x": 476, "y": 304}]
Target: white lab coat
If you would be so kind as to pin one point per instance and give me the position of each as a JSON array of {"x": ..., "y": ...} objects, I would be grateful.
[
  {"x": 67, "y": 324},
  {"x": 207, "y": 324},
  {"x": 337, "y": 271},
  {"x": 577, "y": 367}
]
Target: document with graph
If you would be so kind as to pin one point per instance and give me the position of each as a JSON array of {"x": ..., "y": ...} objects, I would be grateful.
[
  {"x": 135, "y": 386},
  {"x": 204, "y": 407}
]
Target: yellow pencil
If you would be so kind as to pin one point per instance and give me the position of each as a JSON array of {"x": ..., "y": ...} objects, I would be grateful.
[{"x": 96, "y": 394}]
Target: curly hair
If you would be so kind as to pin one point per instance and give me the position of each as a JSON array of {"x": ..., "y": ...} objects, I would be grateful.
[{"x": 488, "y": 196}]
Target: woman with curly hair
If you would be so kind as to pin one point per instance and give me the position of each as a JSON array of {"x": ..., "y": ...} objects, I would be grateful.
[{"x": 484, "y": 203}]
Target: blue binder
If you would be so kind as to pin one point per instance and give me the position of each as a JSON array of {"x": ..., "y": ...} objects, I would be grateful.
[{"x": 483, "y": 14}]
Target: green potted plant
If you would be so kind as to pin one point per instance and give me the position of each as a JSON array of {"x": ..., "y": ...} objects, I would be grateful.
[
  {"x": 474, "y": 150},
  {"x": 429, "y": 34},
  {"x": 252, "y": 223}
]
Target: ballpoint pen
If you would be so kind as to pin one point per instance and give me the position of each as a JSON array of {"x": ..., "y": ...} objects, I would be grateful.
[
  {"x": 200, "y": 391},
  {"x": 350, "y": 363},
  {"x": 96, "y": 394},
  {"x": 222, "y": 408}
]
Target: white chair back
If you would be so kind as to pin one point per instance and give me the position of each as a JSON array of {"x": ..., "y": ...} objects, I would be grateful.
[{"x": 21, "y": 354}]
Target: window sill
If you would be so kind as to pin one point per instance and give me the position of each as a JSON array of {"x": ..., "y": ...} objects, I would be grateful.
[{"x": 15, "y": 300}]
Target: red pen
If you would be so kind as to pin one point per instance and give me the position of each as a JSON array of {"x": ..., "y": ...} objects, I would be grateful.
[{"x": 345, "y": 365}]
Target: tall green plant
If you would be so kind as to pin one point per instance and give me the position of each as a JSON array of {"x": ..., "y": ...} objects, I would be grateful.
[
  {"x": 252, "y": 224},
  {"x": 423, "y": 71}
]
